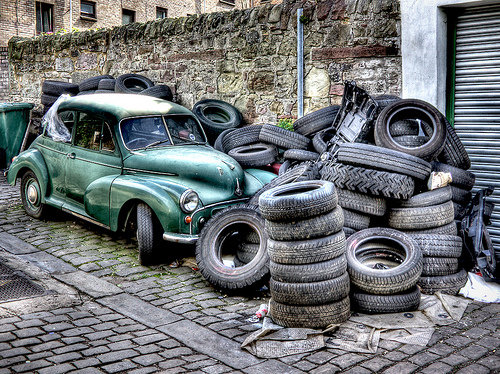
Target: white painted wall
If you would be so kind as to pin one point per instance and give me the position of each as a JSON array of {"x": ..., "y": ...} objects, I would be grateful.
[{"x": 423, "y": 47}]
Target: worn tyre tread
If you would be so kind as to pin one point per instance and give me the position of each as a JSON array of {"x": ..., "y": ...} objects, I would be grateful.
[
  {"x": 421, "y": 217},
  {"x": 283, "y": 138},
  {"x": 363, "y": 203},
  {"x": 433, "y": 266},
  {"x": 398, "y": 303},
  {"x": 448, "y": 284},
  {"x": 438, "y": 245},
  {"x": 313, "y": 272}
]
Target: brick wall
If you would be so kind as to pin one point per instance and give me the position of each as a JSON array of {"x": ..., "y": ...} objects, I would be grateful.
[
  {"x": 246, "y": 57},
  {"x": 4, "y": 74}
]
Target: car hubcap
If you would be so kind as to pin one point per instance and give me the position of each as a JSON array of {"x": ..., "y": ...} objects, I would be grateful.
[{"x": 32, "y": 194}]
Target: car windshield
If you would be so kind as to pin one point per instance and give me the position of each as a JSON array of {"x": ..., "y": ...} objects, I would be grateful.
[{"x": 147, "y": 132}]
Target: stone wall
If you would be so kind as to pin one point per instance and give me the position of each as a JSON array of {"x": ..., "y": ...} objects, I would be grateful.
[
  {"x": 246, "y": 57},
  {"x": 4, "y": 74}
]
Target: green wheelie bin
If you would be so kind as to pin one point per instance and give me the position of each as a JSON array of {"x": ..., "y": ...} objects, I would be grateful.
[{"x": 14, "y": 120}]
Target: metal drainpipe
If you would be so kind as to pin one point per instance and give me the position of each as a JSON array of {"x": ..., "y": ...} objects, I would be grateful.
[
  {"x": 71, "y": 15},
  {"x": 300, "y": 65}
]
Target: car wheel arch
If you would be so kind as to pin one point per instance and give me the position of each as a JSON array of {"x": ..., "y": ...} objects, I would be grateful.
[{"x": 32, "y": 160}]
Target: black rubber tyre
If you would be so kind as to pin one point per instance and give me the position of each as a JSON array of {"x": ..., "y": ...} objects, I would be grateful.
[
  {"x": 300, "y": 155},
  {"x": 284, "y": 167},
  {"x": 356, "y": 221},
  {"x": 321, "y": 139},
  {"x": 308, "y": 228},
  {"x": 132, "y": 83},
  {"x": 411, "y": 109},
  {"x": 254, "y": 155},
  {"x": 438, "y": 245},
  {"x": 106, "y": 84},
  {"x": 216, "y": 116},
  {"x": 314, "y": 272},
  {"x": 31, "y": 195},
  {"x": 241, "y": 136},
  {"x": 411, "y": 141},
  {"x": 404, "y": 127},
  {"x": 421, "y": 217},
  {"x": 385, "y": 100},
  {"x": 398, "y": 303},
  {"x": 104, "y": 91},
  {"x": 318, "y": 120},
  {"x": 460, "y": 210},
  {"x": 448, "y": 284},
  {"x": 371, "y": 205},
  {"x": 283, "y": 138},
  {"x": 57, "y": 88},
  {"x": 307, "y": 251},
  {"x": 379, "y": 158},
  {"x": 434, "y": 197},
  {"x": 301, "y": 172},
  {"x": 211, "y": 247},
  {"x": 247, "y": 252},
  {"x": 460, "y": 196},
  {"x": 218, "y": 142},
  {"x": 448, "y": 229},
  {"x": 348, "y": 231},
  {"x": 310, "y": 316},
  {"x": 89, "y": 92},
  {"x": 314, "y": 293},
  {"x": 160, "y": 91},
  {"x": 460, "y": 178},
  {"x": 368, "y": 181},
  {"x": 298, "y": 200},
  {"x": 454, "y": 152},
  {"x": 383, "y": 261},
  {"x": 433, "y": 266},
  {"x": 92, "y": 84},
  {"x": 149, "y": 235},
  {"x": 47, "y": 99}
]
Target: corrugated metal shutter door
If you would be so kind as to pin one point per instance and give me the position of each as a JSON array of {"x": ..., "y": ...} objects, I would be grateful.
[{"x": 477, "y": 98}]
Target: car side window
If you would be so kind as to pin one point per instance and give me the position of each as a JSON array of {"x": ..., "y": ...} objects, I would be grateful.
[
  {"x": 68, "y": 119},
  {"x": 93, "y": 133}
]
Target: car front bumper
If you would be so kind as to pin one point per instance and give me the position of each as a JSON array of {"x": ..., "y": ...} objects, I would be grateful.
[{"x": 180, "y": 238}]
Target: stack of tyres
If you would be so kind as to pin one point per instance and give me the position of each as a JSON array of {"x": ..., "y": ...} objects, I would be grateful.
[
  {"x": 384, "y": 266},
  {"x": 309, "y": 283},
  {"x": 428, "y": 218},
  {"x": 51, "y": 90}
]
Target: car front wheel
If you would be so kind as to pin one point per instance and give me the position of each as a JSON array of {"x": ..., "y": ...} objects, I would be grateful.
[
  {"x": 149, "y": 234},
  {"x": 31, "y": 195}
]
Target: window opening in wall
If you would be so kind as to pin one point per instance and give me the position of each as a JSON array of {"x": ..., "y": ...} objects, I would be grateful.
[
  {"x": 228, "y": 2},
  {"x": 87, "y": 9},
  {"x": 161, "y": 12},
  {"x": 44, "y": 17},
  {"x": 128, "y": 16}
]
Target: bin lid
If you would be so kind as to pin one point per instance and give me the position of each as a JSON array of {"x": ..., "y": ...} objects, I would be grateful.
[{"x": 7, "y": 107}]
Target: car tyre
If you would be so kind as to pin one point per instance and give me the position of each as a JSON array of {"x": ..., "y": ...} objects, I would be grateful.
[
  {"x": 398, "y": 303},
  {"x": 149, "y": 234},
  {"x": 31, "y": 195}
]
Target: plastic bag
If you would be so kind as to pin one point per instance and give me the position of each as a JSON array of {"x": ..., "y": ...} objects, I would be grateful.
[{"x": 54, "y": 127}]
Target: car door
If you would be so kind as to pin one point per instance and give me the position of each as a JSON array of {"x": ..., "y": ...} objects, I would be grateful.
[{"x": 93, "y": 157}]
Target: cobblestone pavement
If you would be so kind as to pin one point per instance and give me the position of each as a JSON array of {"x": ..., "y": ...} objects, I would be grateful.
[{"x": 137, "y": 319}]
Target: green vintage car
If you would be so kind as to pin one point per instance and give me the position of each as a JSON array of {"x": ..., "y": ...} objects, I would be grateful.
[{"x": 120, "y": 159}]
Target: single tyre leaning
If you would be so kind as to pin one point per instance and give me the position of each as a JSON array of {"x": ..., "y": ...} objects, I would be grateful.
[
  {"x": 383, "y": 261},
  {"x": 284, "y": 167},
  {"x": 411, "y": 109},
  {"x": 241, "y": 136},
  {"x": 92, "y": 83},
  {"x": 379, "y": 158},
  {"x": 31, "y": 195},
  {"x": 448, "y": 284},
  {"x": 403, "y": 302},
  {"x": 306, "y": 273},
  {"x": 454, "y": 152},
  {"x": 160, "y": 91},
  {"x": 421, "y": 217},
  {"x": 318, "y": 120},
  {"x": 307, "y": 251},
  {"x": 254, "y": 155},
  {"x": 216, "y": 116},
  {"x": 433, "y": 266},
  {"x": 371, "y": 205},
  {"x": 218, "y": 142},
  {"x": 57, "y": 88},
  {"x": 368, "y": 181},
  {"x": 308, "y": 228},
  {"x": 149, "y": 234},
  {"x": 132, "y": 83},
  {"x": 298, "y": 200},
  {"x": 211, "y": 245},
  {"x": 283, "y": 138},
  {"x": 312, "y": 293},
  {"x": 434, "y": 197},
  {"x": 321, "y": 139},
  {"x": 106, "y": 84},
  {"x": 310, "y": 316},
  {"x": 439, "y": 245}
]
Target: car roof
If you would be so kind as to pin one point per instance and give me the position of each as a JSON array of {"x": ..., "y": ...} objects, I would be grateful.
[{"x": 121, "y": 106}]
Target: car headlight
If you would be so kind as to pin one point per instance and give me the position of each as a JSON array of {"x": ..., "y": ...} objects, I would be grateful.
[{"x": 189, "y": 201}]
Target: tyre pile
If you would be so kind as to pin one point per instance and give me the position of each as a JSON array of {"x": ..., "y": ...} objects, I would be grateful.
[
  {"x": 125, "y": 83},
  {"x": 309, "y": 284}
]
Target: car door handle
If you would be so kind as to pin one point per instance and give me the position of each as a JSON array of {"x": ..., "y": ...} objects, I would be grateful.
[{"x": 71, "y": 156}]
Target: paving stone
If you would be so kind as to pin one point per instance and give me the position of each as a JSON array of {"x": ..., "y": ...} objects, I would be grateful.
[
  {"x": 28, "y": 332},
  {"x": 29, "y": 323},
  {"x": 401, "y": 368},
  {"x": 87, "y": 362},
  {"x": 216, "y": 369},
  {"x": 57, "y": 327},
  {"x": 396, "y": 356},
  {"x": 25, "y": 342},
  {"x": 441, "y": 349},
  {"x": 489, "y": 342},
  {"x": 492, "y": 362},
  {"x": 78, "y": 331},
  {"x": 98, "y": 335},
  {"x": 376, "y": 364},
  {"x": 473, "y": 352},
  {"x": 70, "y": 348},
  {"x": 454, "y": 360},
  {"x": 172, "y": 363},
  {"x": 8, "y": 362},
  {"x": 143, "y": 370},
  {"x": 147, "y": 360},
  {"x": 437, "y": 367},
  {"x": 320, "y": 357},
  {"x": 423, "y": 358},
  {"x": 51, "y": 336},
  {"x": 119, "y": 367},
  {"x": 347, "y": 360},
  {"x": 14, "y": 352},
  {"x": 474, "y": 369},
  {"x": 96, "y": 350},
  {"x": 30, "y": 366},
  {"x": 116, "y": 356},
  {"x": 70, "y": 356},
  {"x": 151, "y": 338},
  {"x": 57, "y": 369},
  {"x": 86, "y": 321},
  {"x": 305, "y": 366},
  {"x": 150, "y": 348},
  {"x": 326, "y": 369}
]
